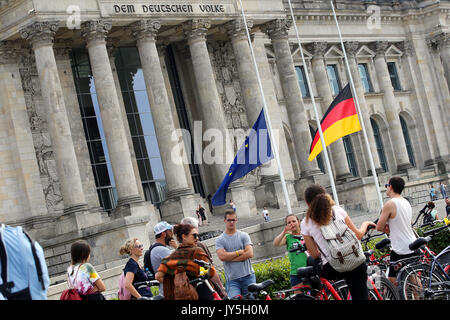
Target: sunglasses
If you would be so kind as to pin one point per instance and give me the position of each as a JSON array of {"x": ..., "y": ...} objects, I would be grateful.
[
  {"x": 195, "y": 235},
  {"x": 231, "y": 220},
  {"x": 386, "y": 185},
  {"x": 140, "y": 246}
]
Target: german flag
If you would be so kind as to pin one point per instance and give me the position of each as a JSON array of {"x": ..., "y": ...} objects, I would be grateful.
[{"x": 340, "y": 120}]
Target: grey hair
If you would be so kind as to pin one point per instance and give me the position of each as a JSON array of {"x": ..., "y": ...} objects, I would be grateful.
[{"x": 190, "y": 220}]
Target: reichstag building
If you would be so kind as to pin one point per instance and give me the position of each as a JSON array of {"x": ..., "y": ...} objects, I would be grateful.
[{"x": 99, "y": 97}]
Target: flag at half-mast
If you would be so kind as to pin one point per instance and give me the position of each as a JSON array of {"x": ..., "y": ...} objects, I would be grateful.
[{"x": 340, "y": 120}]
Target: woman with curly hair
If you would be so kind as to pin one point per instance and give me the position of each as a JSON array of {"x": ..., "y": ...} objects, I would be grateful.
[{"x": 321, "y": 209}]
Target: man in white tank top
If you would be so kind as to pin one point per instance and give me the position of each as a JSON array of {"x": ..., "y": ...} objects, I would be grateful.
[{"x": 395, "y": 220}]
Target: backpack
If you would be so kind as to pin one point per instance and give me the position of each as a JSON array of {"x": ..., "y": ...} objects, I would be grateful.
[
  {"x": 123, "y": 292},
  {"x": 344, "y": 249},
  {"x": 183, "y": 290},
  {"x": 148, "y": 259},
  {"x": 71, "y": 293},
  {"x": 24, "y": 274}
]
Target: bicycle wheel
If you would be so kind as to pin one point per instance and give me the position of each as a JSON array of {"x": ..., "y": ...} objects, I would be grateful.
[
  {"x": 386, "y": 289},
  {"x": 415, "y": 284}
]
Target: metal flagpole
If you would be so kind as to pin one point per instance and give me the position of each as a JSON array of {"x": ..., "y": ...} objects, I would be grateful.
[
  {"x": 269, "y": 125},
  {"x": 324, "y": 148},
  {"x": 372, "y": 165}
]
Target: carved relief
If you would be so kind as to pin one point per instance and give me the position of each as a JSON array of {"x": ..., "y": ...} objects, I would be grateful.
[{"x": 41, "y": 139}]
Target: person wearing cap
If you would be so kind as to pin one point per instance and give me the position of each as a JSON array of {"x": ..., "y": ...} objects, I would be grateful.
[{"x": 160, "y": 248}]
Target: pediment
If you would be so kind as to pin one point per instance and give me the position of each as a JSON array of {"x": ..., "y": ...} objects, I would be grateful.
[
  {"x": 393, "y": 51},
  {"x": 296, "y": 53},
  {"x": 334, "y": 53},
  {"x": 365, "y": 52}
]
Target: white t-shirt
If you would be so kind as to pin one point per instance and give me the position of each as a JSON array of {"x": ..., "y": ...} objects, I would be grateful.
[{"x": 312, "y": 229}]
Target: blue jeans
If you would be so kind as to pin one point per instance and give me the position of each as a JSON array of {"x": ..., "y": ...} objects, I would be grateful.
[
  {"x": 295, "y": 280},
  {"x": 239, "y": 285}
]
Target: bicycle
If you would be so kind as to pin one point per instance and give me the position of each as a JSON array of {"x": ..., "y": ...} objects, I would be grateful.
[
  {"x": 425, "y": 281},
  {"x": 149, "y": 284},
  {"x": 205, "y": 275}
]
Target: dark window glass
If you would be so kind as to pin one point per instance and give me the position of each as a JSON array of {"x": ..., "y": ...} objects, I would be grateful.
[
  {"x": 364, "y": 74},
  {"x": 93, "y": 129},
  {"x": 379, "y": 144},
  {"x": 302, "y": 81},
  {"x": 350, "y": 156},
  {"x": 319, "y": 156},
  {"x": 394, "y": 76},
  {"x": 333, "y": 77},
  {"x": 407, "y": 142}
]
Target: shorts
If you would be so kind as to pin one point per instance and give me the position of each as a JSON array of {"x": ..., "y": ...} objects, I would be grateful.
[{"x": 396, "y": 257}]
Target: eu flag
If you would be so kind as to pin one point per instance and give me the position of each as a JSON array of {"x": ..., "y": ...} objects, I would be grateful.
[{"x": 255, "y": 151}]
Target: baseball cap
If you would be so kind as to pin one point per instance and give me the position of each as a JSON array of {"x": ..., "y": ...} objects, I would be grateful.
[{"x": 161, "y": 227}]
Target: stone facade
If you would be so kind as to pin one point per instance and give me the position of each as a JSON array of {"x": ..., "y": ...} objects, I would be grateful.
[{"x": 197, "y": 67}]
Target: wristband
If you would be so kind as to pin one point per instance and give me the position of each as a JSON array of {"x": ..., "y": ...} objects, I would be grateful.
[{"x": 237, "y": 253}]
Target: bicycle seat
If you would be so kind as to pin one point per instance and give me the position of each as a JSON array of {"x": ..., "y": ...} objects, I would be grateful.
[
  {"x": 256, "y": 287},
  {"x": 418, "y": 243},
  {"x": 383, "y": 243},
  {"x": 306, "y": 272}
]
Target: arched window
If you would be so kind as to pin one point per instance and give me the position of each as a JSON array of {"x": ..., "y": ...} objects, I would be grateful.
[
  {"x": 379, "y": 145},
  {"x": 407, "y": 142}
]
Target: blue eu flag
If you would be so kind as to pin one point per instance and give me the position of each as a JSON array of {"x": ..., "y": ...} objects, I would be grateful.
[{"x": 255, "y": 151}]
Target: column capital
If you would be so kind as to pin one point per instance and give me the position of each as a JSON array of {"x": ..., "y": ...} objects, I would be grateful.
[
  {"x": 95, "y": 30},
  {"x": 277, "y": 29},
  {"x": 7, "y": 53},
  {"x": 318, "y": 49},
  {"x": 352, "y": 48},
  {"x": 145, "y": 30},
  {"x": 236, "y": 29},
  {"x": 40, "y": 33},
  {"x": 438, "y": 41},
  {"x": 196, "y": 29},
  {"x": 407, "y": 47},
  {"x": 380, "y": 48}
]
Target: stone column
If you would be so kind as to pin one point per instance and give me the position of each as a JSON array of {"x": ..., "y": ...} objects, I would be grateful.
[
  {"x": 271, "y": 192},
  {"x": 431, "y": 94},
  {"x": 278, "y": 33},
  {"x": 20, "y": 181},
  {"x": 115, "y": 134},
  {"x": 352, "y": 49},
  {"x": 391, "y": 107},
  {"x": 337, "y": 150},
  {"x": 212, "y": 111},
  {"x": 442, "y": 41},
  {"x": 179, "y": 192},
  {"x": 41, "y": 35}
]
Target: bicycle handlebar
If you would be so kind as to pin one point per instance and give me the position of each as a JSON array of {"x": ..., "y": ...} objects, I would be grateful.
[
  {"x": 431, "y": 232},
  {"x": 150, "y": 283}
]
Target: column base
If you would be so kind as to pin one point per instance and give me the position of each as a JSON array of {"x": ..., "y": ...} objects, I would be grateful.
[
  {"x": 378, "y": 171},
  {"x": 76, "y": 218},
  {"x": 344, "y": 177},
  {"x": 443, "y": 163},
  {"x": 184, "y": 205},
  {"x": 304, "y": 182},
  {"x": 403, "y": 167},
  {"x": 270, "y": 193}
]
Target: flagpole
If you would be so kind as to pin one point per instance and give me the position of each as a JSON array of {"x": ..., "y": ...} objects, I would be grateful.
[
  {"x": 319, "y": 127},
  {"x": 372, "y": 165},
  {"x": 269, "y": 124}
]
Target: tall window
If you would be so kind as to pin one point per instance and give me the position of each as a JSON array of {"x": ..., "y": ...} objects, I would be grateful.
[
  {"x": 319, "y": 156},
  {"x": 350, "y": 155},
  {"x": 183, "y": 118},
  {"x": 140, "y": 121},
  {"x": 407, "y": 141},
  {"x": 379, "y": 145},
  {"x": 302, "y": 81},
  {"x": 394, "y": 76},
  {"x": 364, "y": 74},
  {"x": 93, "y": 129},
  {"x": 333, "y": 77}
]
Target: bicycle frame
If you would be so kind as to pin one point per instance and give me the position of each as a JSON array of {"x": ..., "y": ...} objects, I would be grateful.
[{"x": 441, "y": 268}]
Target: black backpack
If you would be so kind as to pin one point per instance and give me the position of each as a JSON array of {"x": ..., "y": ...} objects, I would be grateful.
[{"x": 147, "y": 258}]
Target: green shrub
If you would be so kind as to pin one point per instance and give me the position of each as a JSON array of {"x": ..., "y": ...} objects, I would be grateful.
[
  {"x": 275, "y": 269},
  {"x": 439, "y": 240}
]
